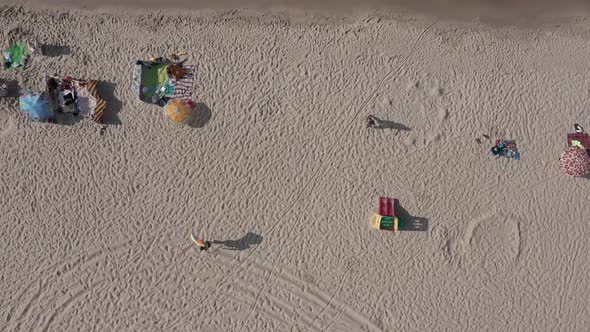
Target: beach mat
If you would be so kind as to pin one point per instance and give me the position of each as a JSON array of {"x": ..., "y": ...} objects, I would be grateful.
[{"x": 184, "y": 86}]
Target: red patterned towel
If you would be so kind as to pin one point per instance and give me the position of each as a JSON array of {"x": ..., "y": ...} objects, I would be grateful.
[{"x": 184, "y": 87}]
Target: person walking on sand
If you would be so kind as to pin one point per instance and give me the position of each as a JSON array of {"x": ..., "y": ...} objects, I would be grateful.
[
  {"x": 373, "y": 122},
  {"x": 203, "y": 245}
]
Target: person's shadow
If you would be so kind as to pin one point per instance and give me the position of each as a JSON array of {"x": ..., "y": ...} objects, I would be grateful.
[
  {"x": 240, "y": 244},
  {"x": 203, "y": 115},
  {"x": 12, "y": 88},
  {"x": 106, "y": 90},
  {"x": 386, "y": 124},
  {"x": 409, "y": 222},
  {"x": 54, "y": 50}
]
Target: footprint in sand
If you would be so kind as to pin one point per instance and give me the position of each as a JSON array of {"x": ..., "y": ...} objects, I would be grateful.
[{"x": 491, "y": 242}]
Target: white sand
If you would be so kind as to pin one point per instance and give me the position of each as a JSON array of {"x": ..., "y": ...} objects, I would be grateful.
[{"x": 95, "y": 229}]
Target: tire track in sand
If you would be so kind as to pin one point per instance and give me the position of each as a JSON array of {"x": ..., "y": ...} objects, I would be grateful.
[
  {"x": 58, "y": 271},
  {"x": 299, "y": 292},
  {"x": 298, "y": 195},
  {"x": 364, "y": 105}
]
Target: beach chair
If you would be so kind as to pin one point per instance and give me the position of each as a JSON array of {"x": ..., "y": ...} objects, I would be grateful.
[
  {"x": 386, "y": 219},
  {"x": 387, "y": 206}
]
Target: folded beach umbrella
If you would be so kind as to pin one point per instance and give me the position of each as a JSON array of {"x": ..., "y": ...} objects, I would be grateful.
[
  {"x": 574, "y": 161},
  {"x": 179, "y": 111},
  {"x": 37, "y": 106}
]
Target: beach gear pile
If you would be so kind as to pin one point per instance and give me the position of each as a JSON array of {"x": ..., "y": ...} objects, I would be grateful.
[
  {"x": 158, "y": 80},
  {"x": 17, "y": 55},
  {"x": 64, "y": 95},
  {"x": 386, "y": 219},
  {"x": 505, "y": 148},
  {"x": 76, "y": 96}
]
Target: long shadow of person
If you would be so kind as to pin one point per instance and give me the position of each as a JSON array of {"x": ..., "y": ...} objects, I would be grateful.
[
  {"x": 241, "y": 244},
  {"x": 54, "y": 50},
  {"x": 376, "y": 123},
  {"x": 106, "y": 90},
  {"x": 409, "y": 222}
]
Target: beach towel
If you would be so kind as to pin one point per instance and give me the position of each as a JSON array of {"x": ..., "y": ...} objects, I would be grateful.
[
  {"x": 183, "y": 89},
  {"x": 91, "y": 104}
]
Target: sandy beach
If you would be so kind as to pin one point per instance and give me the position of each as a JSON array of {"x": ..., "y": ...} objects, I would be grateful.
[{"x": 284, "y": 176}]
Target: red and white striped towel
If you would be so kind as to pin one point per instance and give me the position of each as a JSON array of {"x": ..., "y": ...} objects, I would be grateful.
[{"x": 184, "y": 86}]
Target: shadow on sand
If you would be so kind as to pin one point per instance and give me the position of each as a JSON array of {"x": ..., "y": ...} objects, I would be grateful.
[
  {"x": 409, "y": 222},
  {"x": 67, "y": 119},
  {"x": 386, "y": 124},
  {"x": 12, "y": 88},
  {"x": 203, "y": 116},
  {"x": 106, "y": 90},
  {"x": 240, "y": 244},
  {"x": 55, "y": 50}
]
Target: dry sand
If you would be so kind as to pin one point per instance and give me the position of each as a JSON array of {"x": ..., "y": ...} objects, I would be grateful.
[{"x": 96, "y": 228}]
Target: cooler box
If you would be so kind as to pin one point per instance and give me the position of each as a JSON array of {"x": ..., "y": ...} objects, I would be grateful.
[{"x": 385, "y": 223}]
